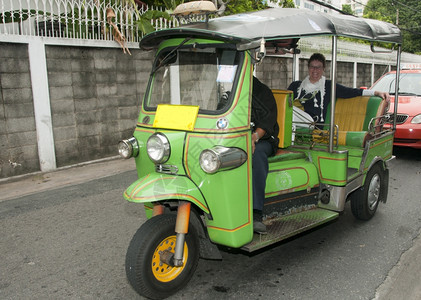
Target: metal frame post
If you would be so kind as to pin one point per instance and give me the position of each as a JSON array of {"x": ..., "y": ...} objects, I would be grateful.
[{"x": 332, "y": 92}]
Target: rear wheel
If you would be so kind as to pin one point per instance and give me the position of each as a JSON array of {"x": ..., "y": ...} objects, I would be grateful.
[
  {"x": 145, "y": 270},
  {"x": 364, "y": 201}
]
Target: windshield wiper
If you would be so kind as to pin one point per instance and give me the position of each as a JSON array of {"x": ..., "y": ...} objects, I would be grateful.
[
  {"x": 169, "y": 56},
  {"x": 407, "y": 93}
]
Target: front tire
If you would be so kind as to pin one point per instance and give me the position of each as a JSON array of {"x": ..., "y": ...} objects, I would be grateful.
[
  {"x": 364, "y": 201},
  {"x": 146, "y": 273}
]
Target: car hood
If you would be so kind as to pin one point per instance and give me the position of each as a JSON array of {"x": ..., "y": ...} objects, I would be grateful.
[{"x": 410, "y": 105}]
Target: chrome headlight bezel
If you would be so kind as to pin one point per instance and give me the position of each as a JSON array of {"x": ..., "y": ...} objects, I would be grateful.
[
  {"x": 128, "y": 148},
  {"x": 221, "y": 158},
  {"x": 209, "y": 161},
  {"x": 158, "y": 148}
]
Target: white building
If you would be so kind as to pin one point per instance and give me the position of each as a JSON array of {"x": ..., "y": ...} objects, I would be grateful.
[{"x": 357, "y": 6}]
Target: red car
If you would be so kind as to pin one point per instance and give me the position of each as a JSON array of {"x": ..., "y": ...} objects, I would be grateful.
[{"x": 408, "y": 121}]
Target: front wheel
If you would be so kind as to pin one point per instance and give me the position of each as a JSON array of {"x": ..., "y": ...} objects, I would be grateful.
[
  {"x": 364, "y": 201},
  {"x": 146, "y": 272}
]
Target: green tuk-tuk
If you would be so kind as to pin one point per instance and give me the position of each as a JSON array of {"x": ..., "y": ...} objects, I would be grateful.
[{"x": 192, "y": 145}]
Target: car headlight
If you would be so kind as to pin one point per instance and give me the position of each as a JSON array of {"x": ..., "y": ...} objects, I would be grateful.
[
  {"x": 158, "y": 148},
  {"x": 416, "y": 119},
  {"x": 220, "y": 158},
  {"x": 128, "y": 148}
]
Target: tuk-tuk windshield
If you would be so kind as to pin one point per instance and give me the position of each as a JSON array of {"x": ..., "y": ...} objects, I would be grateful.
[{"x": 192, "y": 76}]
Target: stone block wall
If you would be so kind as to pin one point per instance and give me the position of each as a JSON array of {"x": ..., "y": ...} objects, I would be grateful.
[
  {"x": 18, "y": 136},
  {"x": 95, "y": 95},
  {"x": 364, "y": 75},
  {"x": 276, "y": 72}
]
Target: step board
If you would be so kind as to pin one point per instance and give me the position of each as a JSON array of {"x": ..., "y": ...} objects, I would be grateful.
[{"x": 283, "y": 227}]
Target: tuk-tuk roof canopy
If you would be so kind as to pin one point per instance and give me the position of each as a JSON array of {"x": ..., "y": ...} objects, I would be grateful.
[{"x": 276, "y": 24}]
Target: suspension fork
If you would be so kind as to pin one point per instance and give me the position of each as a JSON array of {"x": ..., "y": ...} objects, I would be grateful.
[{"x": 181, "y": 229}]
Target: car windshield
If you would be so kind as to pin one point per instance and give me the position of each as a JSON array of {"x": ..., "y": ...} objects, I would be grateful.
[
  {"x": 409, "y": 83},
  {"x": 192, "y": 76}
]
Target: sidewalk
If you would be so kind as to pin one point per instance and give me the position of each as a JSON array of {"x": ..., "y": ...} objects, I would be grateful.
[
  {"x": 34, "y": 183},
  {"x": 404, "y": 280}
]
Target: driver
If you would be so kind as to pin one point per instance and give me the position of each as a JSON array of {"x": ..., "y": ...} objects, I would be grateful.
[{"x": 264, "y": 143}]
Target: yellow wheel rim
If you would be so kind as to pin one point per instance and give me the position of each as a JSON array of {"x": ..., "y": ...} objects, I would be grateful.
[{"x": 162, "y": 271}]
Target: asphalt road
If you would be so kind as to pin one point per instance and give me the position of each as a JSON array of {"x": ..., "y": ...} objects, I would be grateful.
[{"x": 67, "y": 239}]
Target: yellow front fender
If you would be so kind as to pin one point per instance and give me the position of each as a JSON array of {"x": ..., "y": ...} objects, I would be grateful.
[{"x": 156, "y": 187}]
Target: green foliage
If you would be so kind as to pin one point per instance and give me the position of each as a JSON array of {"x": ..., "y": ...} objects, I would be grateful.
[
  {"x": 15, "y": 16},
  {"x": 380, "y": 10},
  {"x": 407, "y": 13},
  {"x": 346, "y": 8},
  {"x": 144, "y": 22},
  {"x": 240, "y": 6},
  {"x": 160, "y": 3},
  {"x": 286, "y": 3}
]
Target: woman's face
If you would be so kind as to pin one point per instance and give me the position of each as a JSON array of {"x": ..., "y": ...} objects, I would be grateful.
[{"x": 315, "y": 70}]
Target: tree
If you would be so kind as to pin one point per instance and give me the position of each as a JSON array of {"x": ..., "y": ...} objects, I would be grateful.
[
  {"x": 286, "y": 3},
  {"x": 405, "y": 13},
  {"x": 346, "y": 8},
  {"x": 239, "y": 6}
]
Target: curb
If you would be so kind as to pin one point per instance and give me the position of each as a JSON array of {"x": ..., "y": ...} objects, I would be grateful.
[{"x": 66, "y": 176}]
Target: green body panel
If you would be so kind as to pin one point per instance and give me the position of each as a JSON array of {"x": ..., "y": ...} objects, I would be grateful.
[
  {"x": 290, "y": 176},
  {"x": 378, "y": 149},
  {"x": 225, "y": 191},
  {"x": 331, "y": 167},
  {"x": 355, "y": 155},
  {"x": 156, "y": 187},
  {"x": 356, "y": 138},
  {"x": 144, "y": 165}
]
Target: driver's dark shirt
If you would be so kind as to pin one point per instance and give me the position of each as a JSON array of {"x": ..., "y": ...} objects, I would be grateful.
[{"x": 264, "y": 112}]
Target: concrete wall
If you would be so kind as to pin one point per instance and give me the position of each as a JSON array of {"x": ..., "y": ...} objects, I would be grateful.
[
  {"x": 94, "y": 95},
  {"x": 18, "y": 136}
]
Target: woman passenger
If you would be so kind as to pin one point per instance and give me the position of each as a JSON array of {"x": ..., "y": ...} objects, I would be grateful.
[{"x": 313, "y": 93}]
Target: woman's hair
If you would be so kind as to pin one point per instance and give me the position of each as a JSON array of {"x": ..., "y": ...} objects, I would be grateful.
[{"x": 318, "y": 56}]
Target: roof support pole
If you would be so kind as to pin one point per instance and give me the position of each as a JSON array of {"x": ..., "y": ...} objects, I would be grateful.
[
  {"x": 398, "y": 70},
  {"x": 333, "y": 92},
  {"x": 354, "y": 75},
  {"x": 372, "y": 74},
  {"x": 295, "y": 67}
]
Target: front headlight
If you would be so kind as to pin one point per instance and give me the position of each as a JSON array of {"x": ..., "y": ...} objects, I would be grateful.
[
  {"x": 128, "y": 148},
  {"x": 416, "y": 119},
  {"x": 158, "y": 148},
  {"x": 209, "y": 161},
  {"x": 221, "y": 158}
]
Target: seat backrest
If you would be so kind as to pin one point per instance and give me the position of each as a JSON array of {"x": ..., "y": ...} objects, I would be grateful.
[
  {"x": 284, "y": 110},
  {"x": 355, "y": 114}
]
